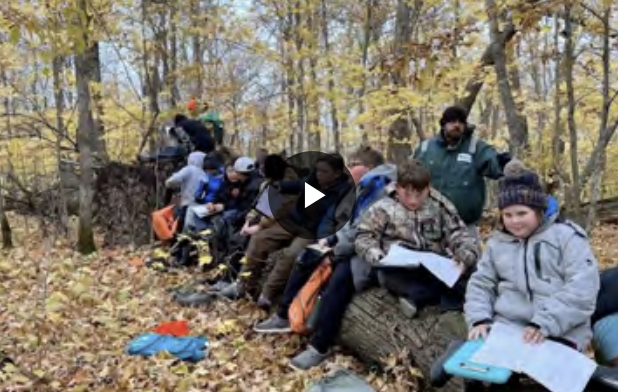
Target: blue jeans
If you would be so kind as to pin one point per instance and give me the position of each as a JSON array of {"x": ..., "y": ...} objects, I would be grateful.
[{"x": 606, "y": 338}]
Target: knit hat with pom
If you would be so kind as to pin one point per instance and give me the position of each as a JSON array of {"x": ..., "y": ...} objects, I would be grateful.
[{"x": 520, "y": 186}]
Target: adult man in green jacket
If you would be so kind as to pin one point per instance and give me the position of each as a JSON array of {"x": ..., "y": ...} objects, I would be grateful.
[{"x": 459, "y": 162}]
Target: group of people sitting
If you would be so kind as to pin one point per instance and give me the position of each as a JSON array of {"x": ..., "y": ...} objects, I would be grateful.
[{"x": 536, "y": 270}]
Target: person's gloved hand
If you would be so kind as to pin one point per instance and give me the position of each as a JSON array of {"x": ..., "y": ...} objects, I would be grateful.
[{"x": 504, "y": 158}]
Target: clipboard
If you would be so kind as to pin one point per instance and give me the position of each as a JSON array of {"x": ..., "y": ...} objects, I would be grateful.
[{"x": 460, "y": 365}]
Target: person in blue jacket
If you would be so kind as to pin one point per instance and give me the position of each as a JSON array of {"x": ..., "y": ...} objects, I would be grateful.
[{"x": 205, "y": 193}]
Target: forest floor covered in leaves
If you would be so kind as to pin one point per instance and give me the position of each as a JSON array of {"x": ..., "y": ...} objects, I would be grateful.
[{"x": 66, "y": 321}]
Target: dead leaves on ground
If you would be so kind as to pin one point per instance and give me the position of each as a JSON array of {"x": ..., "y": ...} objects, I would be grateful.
[
  {"x": 66, "y": 321},
  {"x": 603, "y": 242}
]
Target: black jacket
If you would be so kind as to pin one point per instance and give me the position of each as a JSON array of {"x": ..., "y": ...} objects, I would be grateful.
[
  {"x": 239, "y": 196},
  {"x": 200, "y": 136}
]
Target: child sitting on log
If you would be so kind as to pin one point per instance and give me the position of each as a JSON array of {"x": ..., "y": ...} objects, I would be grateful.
[
  {"x": 537, "y": 271},
  {"x": 188, "y": 180},
  {"x": 411, "y": 214}
]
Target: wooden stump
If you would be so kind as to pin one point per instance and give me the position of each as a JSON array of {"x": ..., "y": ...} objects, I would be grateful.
[{"x": 374, "y": 328}]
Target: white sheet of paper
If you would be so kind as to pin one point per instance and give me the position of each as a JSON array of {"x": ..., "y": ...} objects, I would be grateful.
[
  {"x": 401, "y": 257},
  {"x": 443, "y": 268},
  {"x": 262, "y": 205},
  {"x": 502, "y": 347},
  {"x": 321, "y": 249},
  {"x": 505, "y": 347},
  {"x": 571, "y": 373},
  {"x": 201, "y": 210}
]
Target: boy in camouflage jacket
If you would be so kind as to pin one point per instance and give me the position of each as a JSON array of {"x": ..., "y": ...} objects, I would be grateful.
[{"x": 417, "y": 216}]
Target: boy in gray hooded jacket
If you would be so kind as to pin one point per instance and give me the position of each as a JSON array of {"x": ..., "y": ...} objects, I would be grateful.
[
  {"x": 188, "y": 180},
  {"x": 537, "y": 272}
]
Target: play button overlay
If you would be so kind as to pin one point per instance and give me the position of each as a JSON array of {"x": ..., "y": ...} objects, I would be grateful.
[
  {"x": 319, "y": 202},
  {"x": 312, "y": 195}
]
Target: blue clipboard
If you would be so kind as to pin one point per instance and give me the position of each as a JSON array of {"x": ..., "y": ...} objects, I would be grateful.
[{"x": 460, "y": 365}]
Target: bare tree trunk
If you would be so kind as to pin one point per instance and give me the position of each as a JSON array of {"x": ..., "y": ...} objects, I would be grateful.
[
  {"x": 517, "y": 124},
  {"x": 85, "y": 68},
  {"x": 400, "y": 131},
  {"x": 198, "y": 51},
  {"x": 569, "y": 60},
  {"x": 535, "y": 70},
  {"x": 173, "y": 81},
  {"x": 334, "y": 117},
  {"x": 312, "y": 93},
  {"x": 161, "y": 35},
  {"x": 495, "y": 121},
  {"x": 99, "y": 148},
  {"x": 59, "y": 98},
  {"x": 287, "y": 23},
  {"x": 557, "y": 142},
  {"x": 152, "y": 81},
  {"x": 596, "y": 163},
  {"x": 5, "y": 227},
  {"x": 35, "y": 83},
  {"x": 595, "y": 193},
  {"x": 301, "y": 110},
  {"x": 474, "y": 85},
  {"x": 368, "y": 33}
]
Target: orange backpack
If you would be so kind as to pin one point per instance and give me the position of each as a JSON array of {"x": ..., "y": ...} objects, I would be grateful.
[
  {"x": 304, "y": 305},
  {"x": 164, "y": 224}
]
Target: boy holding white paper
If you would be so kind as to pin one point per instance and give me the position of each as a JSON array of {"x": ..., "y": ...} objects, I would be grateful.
[{"x": 418, "y": 217}]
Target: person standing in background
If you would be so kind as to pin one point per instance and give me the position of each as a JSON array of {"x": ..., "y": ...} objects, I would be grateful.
[{"x": 459, "y": 162}]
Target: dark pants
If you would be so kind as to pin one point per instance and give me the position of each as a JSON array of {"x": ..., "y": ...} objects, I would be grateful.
[
  {"x": 180, "y": 213},
  {"x": 422, "y": 288},
  {"x": 336, "y": 297}
]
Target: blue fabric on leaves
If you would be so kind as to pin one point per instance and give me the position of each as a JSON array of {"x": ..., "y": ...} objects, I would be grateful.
[{"x": 186, "y": 348}]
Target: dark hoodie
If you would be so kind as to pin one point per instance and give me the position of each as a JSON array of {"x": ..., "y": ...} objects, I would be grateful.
[
  {"x": 459, "y": 175},
  {"x": 238, "y": 196},
  {"x": 325, "y": 208},
  {"x": 200, "y": 136}
]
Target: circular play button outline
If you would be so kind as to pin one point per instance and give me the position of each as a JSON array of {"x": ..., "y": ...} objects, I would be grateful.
[{"x": 301, "y": 206}]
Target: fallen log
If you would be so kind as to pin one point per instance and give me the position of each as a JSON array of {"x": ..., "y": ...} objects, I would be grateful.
[{"x": 374, "y": 329}]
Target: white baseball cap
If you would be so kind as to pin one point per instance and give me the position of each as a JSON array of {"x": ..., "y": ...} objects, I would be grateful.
[{"x": 244, "y": 165}]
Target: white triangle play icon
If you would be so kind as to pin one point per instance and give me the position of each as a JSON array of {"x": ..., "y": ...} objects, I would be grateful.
[{"x": 311, "y": 195}]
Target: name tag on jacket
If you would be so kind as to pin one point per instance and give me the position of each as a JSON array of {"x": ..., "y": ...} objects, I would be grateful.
[{"x": 464, "y": 157}]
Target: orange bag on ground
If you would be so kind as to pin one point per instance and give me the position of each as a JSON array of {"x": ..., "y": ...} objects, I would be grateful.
[
  {"x": 174, "y": 328},
  {"x": 304, "y": 305},
  {"x": 164, "y": 224}
]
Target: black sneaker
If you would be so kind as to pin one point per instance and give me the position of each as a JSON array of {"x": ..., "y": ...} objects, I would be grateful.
[{"x": 273, "y": 324}]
